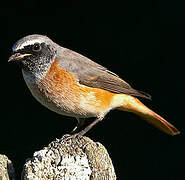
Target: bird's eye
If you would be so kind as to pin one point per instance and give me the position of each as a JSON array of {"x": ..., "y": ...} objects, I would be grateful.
[{"x": 36, "y": 47}]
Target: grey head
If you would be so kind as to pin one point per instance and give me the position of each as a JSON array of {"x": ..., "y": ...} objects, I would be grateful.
[{"x": 34, "y": 53}]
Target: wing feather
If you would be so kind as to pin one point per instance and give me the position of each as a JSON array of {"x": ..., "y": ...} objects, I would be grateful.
[{"x": 94, "y": 75}]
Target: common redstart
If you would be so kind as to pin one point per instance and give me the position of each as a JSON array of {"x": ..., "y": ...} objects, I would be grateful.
[{"x": 73, "y": 85}]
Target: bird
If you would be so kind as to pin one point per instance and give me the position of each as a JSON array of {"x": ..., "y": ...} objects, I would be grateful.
[{"x": 71, "y": 84}]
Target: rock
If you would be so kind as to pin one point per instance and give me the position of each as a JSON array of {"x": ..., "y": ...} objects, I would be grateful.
[
  {"x": 70, "y": 158},
  {"x": 6, "y": 168}
]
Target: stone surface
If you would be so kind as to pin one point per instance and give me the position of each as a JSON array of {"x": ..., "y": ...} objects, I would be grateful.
[
  {"x": 6, "y": 168},
  {"x": 70, "y": 158}
]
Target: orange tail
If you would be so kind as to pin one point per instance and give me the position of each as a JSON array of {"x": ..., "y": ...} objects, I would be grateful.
[{"x": 132, "y": 104}]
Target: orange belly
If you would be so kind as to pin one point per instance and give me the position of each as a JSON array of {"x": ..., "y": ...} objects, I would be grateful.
[{"x": 61, "y": 92}]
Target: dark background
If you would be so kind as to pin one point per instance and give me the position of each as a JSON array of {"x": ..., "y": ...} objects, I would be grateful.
[{"x": 143, "y": 42}]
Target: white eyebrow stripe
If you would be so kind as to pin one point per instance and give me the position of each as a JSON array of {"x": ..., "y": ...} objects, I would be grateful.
[{"x": 26, "y": 43}]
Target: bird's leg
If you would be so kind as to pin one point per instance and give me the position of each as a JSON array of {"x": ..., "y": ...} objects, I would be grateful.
[
  {"x": 86, "y": 129},
  {"x": 80, "y": 124}
]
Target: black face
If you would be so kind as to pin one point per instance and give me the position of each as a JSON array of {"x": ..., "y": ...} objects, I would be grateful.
[{"x": 35, "y": 57}]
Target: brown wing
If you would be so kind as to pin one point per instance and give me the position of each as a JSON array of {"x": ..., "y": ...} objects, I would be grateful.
[{"x": 94, "y": 75}]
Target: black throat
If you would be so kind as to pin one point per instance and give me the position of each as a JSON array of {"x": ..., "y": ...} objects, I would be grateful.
[{"x": 39, "y": 61}]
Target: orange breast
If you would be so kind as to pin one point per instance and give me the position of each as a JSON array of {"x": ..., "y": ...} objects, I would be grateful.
[{"x": 63, "y": 88}]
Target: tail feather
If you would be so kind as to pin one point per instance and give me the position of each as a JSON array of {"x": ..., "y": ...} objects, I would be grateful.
[
  {"x": 132, "y": 104},
  {"x": 159, "y": 122}
]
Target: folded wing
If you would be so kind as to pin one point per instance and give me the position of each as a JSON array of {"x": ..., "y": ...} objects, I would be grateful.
[{"x": 94, "y": 75}]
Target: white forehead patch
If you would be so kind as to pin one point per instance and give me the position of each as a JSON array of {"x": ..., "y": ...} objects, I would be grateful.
[{"x": 18, "y": 46}]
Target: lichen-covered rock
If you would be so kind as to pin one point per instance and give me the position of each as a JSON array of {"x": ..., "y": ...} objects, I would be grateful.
[
  {"x": 70, "y": 158},
  {"x": 6, "y": 168}
]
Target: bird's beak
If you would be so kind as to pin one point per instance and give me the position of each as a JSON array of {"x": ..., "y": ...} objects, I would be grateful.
[{"x": 17, "y": 57}]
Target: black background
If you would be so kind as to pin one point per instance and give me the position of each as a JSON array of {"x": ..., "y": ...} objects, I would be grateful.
[{"x": 143, "y": 42}]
